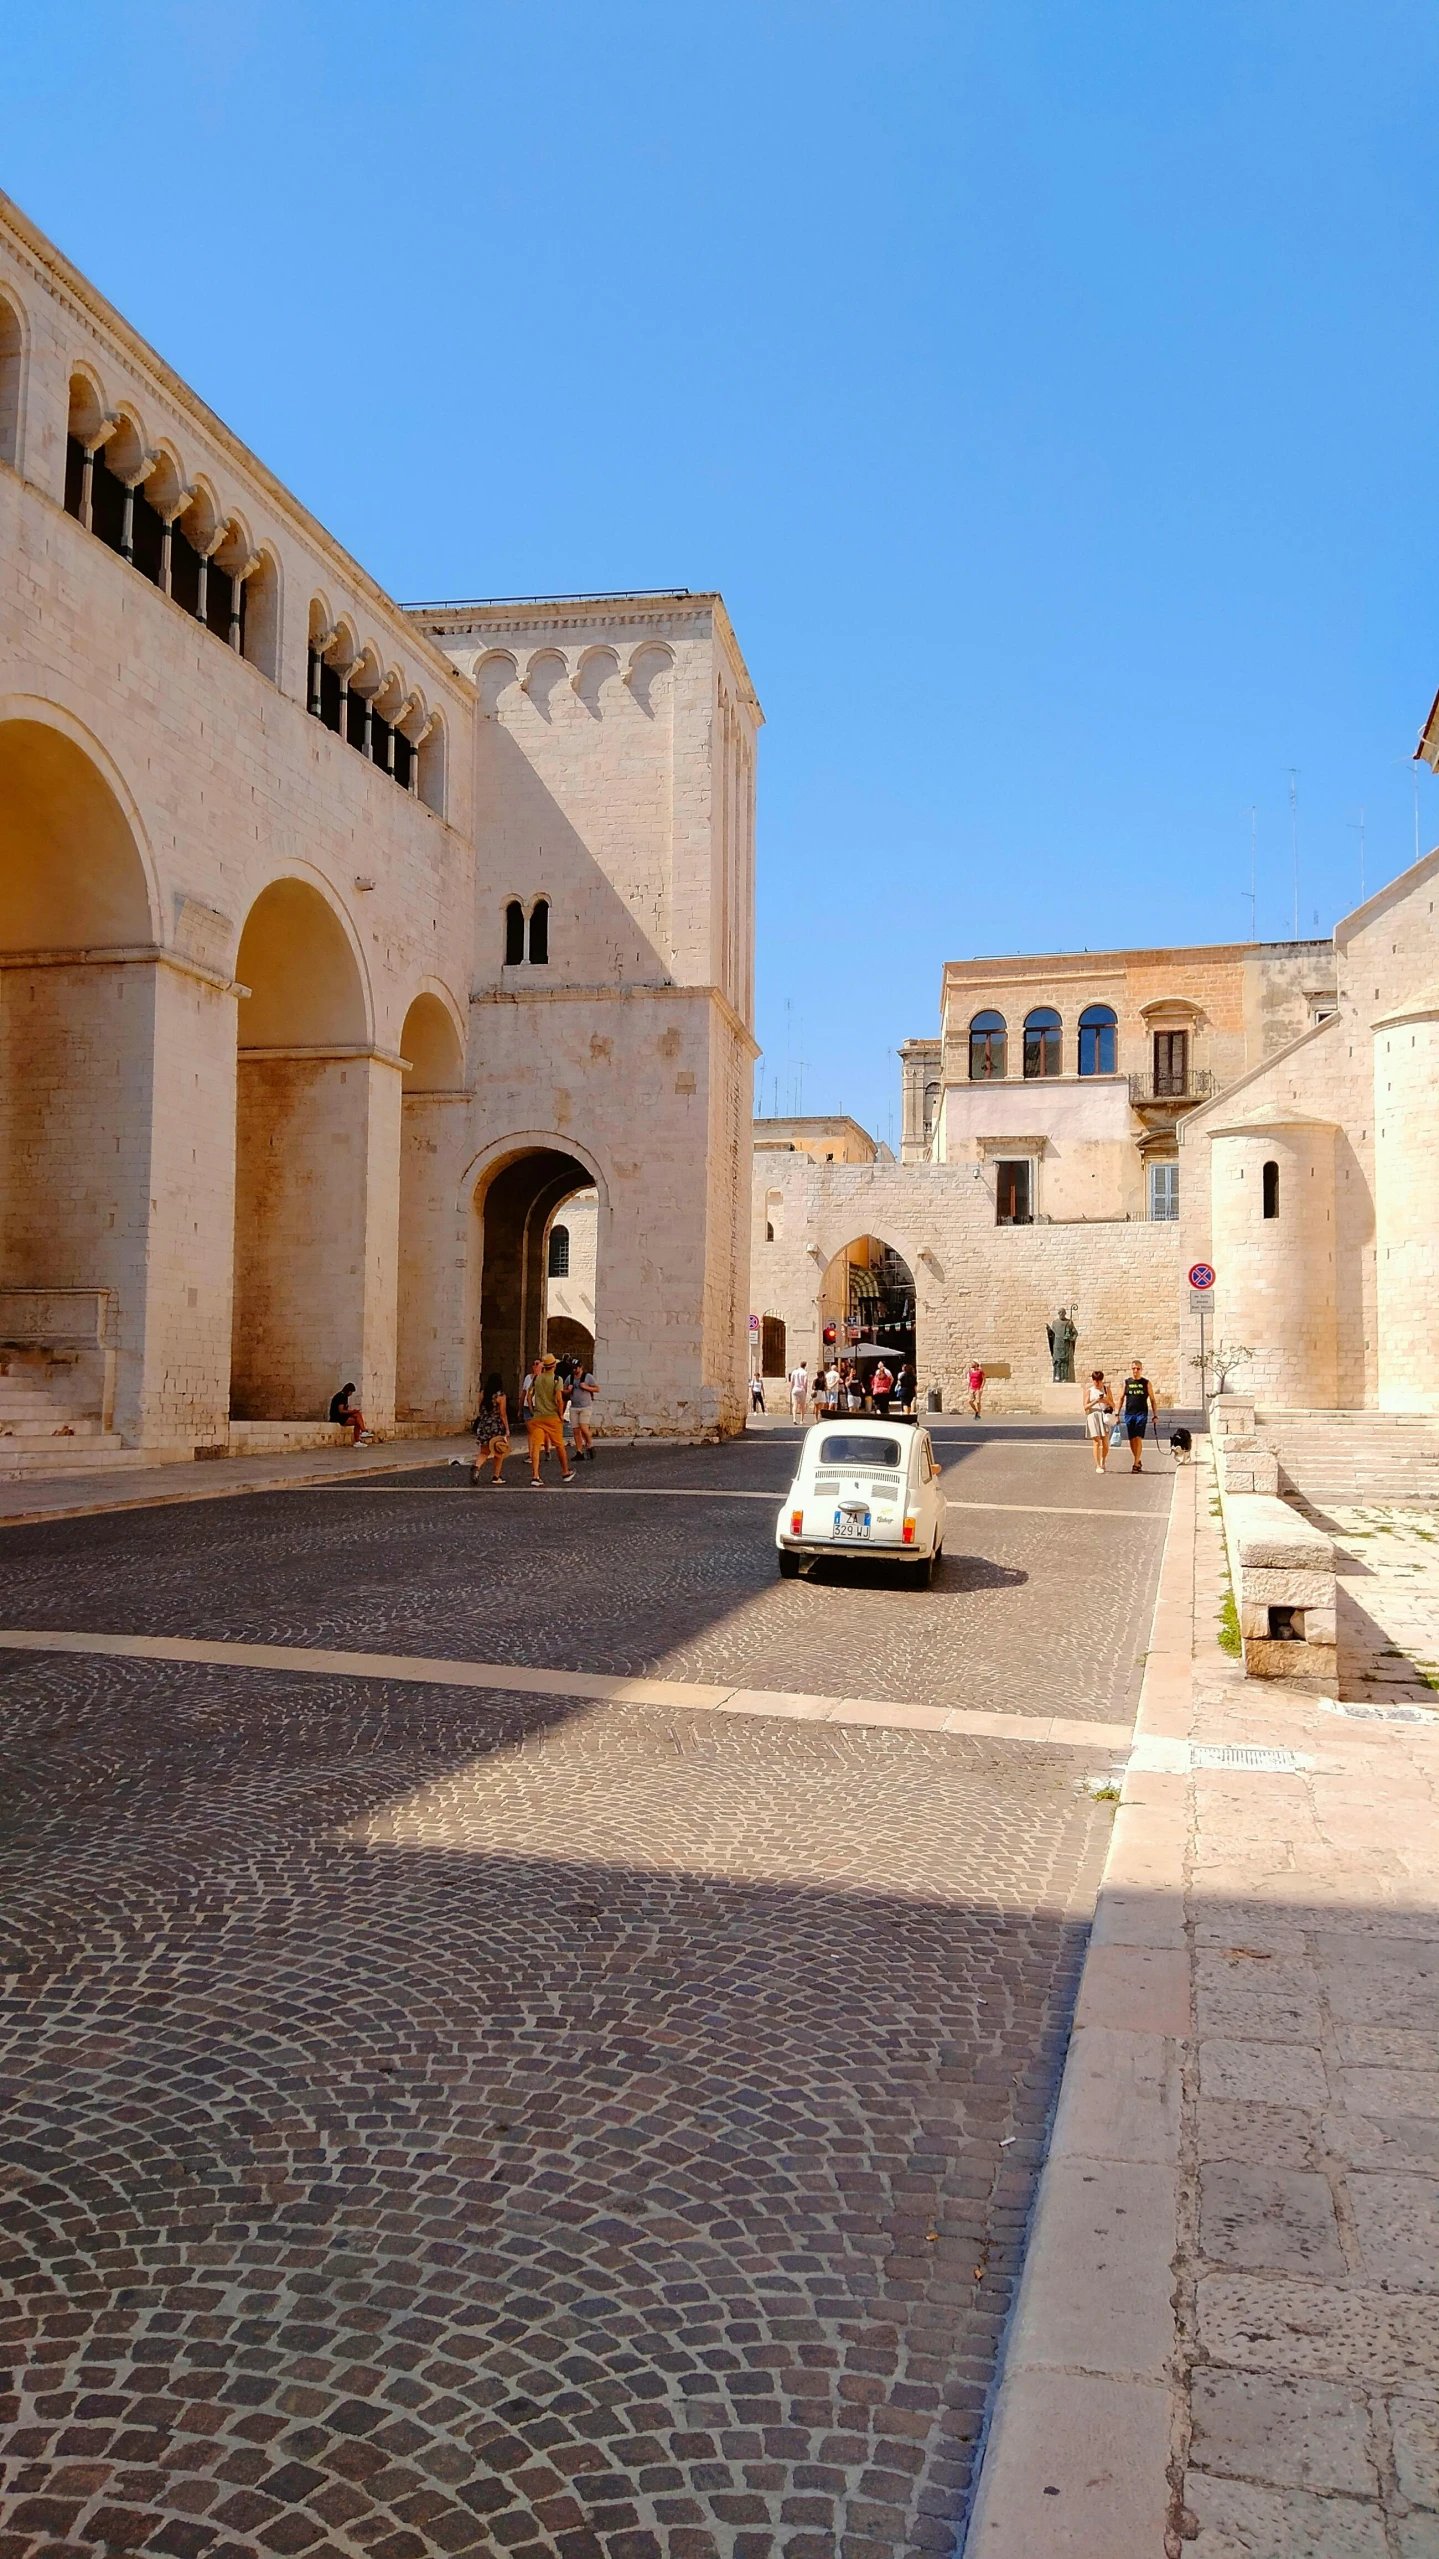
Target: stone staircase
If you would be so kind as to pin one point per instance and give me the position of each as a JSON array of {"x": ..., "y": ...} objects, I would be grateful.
[
  {"x": 1346, "y": 1457},
  {"x": 39, "y": 1432}
]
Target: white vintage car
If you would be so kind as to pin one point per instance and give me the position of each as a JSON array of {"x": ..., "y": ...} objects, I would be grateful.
[{"x": 868, "y": 1488}]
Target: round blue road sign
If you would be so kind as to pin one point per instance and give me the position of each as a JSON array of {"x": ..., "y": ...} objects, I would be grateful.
[{"x": 1201, "y": 1276}]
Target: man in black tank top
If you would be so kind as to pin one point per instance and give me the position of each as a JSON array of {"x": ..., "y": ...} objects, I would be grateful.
[{"x": 1139, "y": 1404}]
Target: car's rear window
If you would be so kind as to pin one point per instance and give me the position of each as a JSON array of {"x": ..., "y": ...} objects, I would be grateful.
[{"x": 857, "y": 1448}]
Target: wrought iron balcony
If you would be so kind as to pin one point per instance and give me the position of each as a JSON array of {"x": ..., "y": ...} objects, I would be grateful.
[{"x": 1171, "y": 1092}]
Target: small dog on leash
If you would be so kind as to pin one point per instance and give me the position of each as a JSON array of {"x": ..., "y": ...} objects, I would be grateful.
[{"x": 1181, "y": 1446}]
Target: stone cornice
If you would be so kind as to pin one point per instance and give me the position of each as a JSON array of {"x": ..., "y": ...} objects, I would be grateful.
[
  {"x": 322, "y": 1053},
  {"x": 126, "y": 955},
  {"x": 53, "y": 273},
  {"x": 676, "y": 608},
  {"x": 666, "y": 994}
]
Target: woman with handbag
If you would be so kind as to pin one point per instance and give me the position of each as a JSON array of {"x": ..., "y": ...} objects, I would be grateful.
[{"x": 1098, "y": 1409}]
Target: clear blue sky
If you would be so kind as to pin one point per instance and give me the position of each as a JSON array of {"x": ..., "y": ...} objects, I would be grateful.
[{"x": 1049, "y": 385}]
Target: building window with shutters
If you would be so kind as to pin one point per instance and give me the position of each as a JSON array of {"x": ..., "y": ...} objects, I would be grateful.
[
  {"x": 1164, "y": 1193},
  {"x": 1014, "y": 1193},
  {"x": 1171, "y": 1065}
]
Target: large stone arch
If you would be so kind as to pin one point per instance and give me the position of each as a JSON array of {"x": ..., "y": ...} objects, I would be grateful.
[
  {"x": 77, "y": 1057},
  {"x": 516, "y": 1186},
  {"x": 317, "y": 1166},
  {"x": 869, "y": 1280}
]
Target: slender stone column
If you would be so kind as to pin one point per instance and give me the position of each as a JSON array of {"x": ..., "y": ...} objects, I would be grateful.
[
  {"x": 238, "y": 576},
  {"x": 169, "y": 517},
  {"x": 102, "y": 435},
  {"x": 132, "y": 480}
]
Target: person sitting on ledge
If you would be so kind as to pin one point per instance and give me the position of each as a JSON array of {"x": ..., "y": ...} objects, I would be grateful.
[{"x": 343, "y": 1411}]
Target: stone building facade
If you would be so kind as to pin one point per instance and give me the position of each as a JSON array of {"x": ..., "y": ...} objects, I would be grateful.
[
  {"x": 1040, "y": 1163},
  {"x": 341, "y": 943},
  {"x": 1311, "y": 1182}
]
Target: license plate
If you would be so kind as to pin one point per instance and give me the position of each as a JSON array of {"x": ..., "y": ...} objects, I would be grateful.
[{"x": 851, "y": 1523}]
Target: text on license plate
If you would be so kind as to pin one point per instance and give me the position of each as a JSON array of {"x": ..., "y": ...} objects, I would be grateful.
[{"x": 851, "y": 1523}]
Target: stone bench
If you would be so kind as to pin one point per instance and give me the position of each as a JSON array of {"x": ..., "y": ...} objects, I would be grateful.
[
  {"x": 1245, "y": 1464},
  {"x": 1284, "y": 1588}
]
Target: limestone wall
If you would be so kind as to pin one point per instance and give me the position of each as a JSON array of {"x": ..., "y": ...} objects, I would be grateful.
[
  {"x": 981, "y": 1290},
  {"x": 160, "y": 787}
]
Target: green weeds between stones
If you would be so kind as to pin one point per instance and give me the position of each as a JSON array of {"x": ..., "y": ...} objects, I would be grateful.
[{"x": 1230, "y": 1639}]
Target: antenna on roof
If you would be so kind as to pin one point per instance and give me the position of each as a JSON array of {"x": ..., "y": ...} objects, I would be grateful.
[
  {"x": 1294, "y": 838},
  {"x": 1253, "y": 860}
]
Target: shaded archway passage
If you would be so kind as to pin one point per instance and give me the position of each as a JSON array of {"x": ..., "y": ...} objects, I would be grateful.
[
  {"x": 77, "y": 1046},
  {"x": 316, "y": 1188},
  {"x": 430, "y": 1381},
  {"x": 516, "y": 1206},
  {"x": 869, "y": 1285}
]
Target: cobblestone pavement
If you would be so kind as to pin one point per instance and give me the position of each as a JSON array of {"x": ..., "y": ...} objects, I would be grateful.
[
  {"x": 441, "y": 2121},
  {"x": 1031, "y": 1611}
]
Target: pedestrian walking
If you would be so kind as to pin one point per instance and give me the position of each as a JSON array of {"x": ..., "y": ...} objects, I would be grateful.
[
  {"x": 527, "y": 1390},
  {"x": 545, "y": 1426},
  {"x": 853, "y": 1390},
  {"x": 976, "y": 1389},
  {"x": 907, "y": 1388},
  {"x": 881, "y": 1387},
  {"x": 583, "y": 1389},
  {"x": 798, "y": 1392},
  {"x": 831, "y": 1387},
  {"x": 1098, "y": 1413},
  {"x": 350, "y": 1417},
  {"x": 1139, "y": 1409},
  {"x": 492, "y": 1430},
  {"x": 756, "y": 1393}
]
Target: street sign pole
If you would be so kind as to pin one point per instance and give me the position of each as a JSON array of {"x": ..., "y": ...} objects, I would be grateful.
[{"x": 1201, "y": 1281}]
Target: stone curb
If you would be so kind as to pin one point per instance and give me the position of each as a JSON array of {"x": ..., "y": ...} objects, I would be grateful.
[{"x": 1076, "y": 2460}]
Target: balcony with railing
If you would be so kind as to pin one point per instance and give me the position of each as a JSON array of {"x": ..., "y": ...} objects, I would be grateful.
[{"x": 1165, "y": 1091}]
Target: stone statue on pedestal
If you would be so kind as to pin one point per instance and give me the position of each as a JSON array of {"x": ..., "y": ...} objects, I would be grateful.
[{"x": 1063, "y": 1335}]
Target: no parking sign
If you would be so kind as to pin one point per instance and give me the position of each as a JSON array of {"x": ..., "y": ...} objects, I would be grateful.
[{"x": 1202, "y": 1276}]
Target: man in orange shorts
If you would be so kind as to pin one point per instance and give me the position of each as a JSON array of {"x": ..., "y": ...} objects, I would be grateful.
[{"x": 546, "y": 1423}]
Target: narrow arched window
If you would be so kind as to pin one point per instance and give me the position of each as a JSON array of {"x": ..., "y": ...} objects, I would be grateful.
[
  {"x": 11, "y": 350},
  {"x": 1098, "y": 1030},
  {"x": 1041, "y": 1041},
  {"x": 540, "y": 933},
  {"x": 514, "y": 934},
  {"x": 559, "y": 1252},
  {"x": 1271, "y": 1190},
  {"x": 987, "y": 1048}
]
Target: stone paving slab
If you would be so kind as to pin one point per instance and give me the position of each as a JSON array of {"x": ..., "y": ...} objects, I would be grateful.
[{"x": 1291, "y": 2096}]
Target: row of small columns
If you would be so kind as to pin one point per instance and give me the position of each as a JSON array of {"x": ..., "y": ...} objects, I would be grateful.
[
  {"x": 169, "y": 516},
  {"x": 344, "y": 670}
]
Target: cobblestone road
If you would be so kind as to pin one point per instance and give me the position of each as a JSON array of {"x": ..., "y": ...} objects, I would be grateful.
[
  {"x": 436, "y": 2121},
  {"x": 1031, "y": 1610}
]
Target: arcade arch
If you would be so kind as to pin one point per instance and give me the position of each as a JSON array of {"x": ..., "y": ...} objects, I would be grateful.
[
  {"x": 306, "y": 1156},
  {"x": 77, "y": 1034},
  {"x": 518, "y": 1199},
  {"x": 430, "y": 1382},
  {"x": 868, "y": 1284}
]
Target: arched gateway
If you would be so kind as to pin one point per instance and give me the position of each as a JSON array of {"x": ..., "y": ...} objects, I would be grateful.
[{"x": 516, "y": 1203}]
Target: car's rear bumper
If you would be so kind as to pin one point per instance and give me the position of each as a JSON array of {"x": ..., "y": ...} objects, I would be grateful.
[{"x": 891, "y": 1548}]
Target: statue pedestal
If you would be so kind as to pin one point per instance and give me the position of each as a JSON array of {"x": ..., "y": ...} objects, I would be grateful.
[{"x": 1063, "y": 1402}]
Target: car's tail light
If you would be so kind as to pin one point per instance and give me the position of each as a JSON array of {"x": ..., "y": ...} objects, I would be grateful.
[
  {"x": 910, "y": 1526},
  {"x": 796, "y": 1523}
]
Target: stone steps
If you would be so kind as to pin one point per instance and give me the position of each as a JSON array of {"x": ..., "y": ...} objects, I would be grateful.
[{"x": 1347, "y": 1457}]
